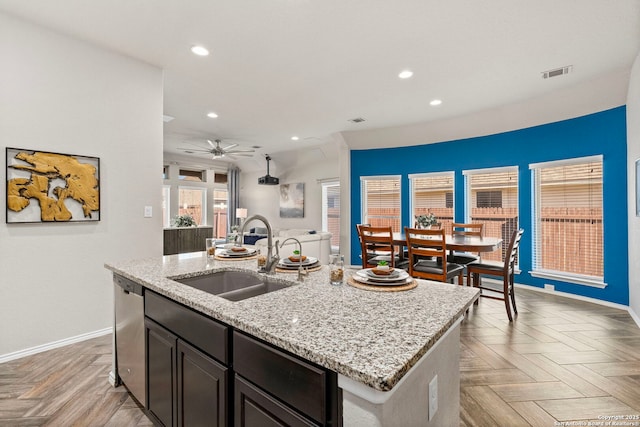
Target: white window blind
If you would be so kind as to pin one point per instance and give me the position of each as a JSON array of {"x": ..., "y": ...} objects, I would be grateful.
[
  {"x": 492, "y": 199},
  {"x": 567, "y": 220},
  {"x": 331, "y": 212},
  {"x": 381, "y": 201},
  {"x": 433, "y": 193}
]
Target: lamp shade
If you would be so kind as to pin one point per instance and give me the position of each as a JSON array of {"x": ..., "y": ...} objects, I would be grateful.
[{"x": 241, "y": 212}]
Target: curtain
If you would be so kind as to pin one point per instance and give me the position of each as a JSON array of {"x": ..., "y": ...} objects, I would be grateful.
[{"x": 233, "y": 186}]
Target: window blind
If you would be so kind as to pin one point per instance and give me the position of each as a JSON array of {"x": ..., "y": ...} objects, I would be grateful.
[
  {"x": 432, "y": 193},
  {"x": 331, "y": 212},
  {"x": 568, "y": 235},
  {"x": 492, "y": 199},
  {"x": 381, "y": 201}
]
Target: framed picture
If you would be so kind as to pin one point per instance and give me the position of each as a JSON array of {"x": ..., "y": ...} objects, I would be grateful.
[
  {"x": 638, "y": 187},
  {"x": 51, "y": 187},
  {"x": 292, "y": 200}
]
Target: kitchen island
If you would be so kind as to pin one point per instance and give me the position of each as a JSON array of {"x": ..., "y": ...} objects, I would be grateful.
[{"x": 387, "y": 348}]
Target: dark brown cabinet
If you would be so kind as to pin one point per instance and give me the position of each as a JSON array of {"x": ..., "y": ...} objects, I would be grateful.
[
  {"x": 186, "y": 239},
  {"x": 194, "y": 378},
  {"x": 186, "y": 386},
  {"x": 256, "y": 408},
  {"x": 276, "y": 388}
]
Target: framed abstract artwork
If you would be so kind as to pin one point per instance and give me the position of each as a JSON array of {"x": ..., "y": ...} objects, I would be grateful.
[
  {"x": 44, "y": 187},
  {"x": 292, "y": 200}
]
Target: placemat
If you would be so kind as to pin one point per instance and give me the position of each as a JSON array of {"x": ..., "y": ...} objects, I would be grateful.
[
  {"x": 244, "y": 258},
  {"x": 310, "y": 270},
  {"x": 366, "y": 287}
]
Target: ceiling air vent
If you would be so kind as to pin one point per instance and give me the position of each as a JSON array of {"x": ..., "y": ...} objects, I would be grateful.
[
  {"x": 357, "y": 120},
  {"x": 557, "y": 72}
]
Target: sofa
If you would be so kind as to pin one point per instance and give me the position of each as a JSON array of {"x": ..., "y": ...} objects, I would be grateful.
[{"x": 314, "y": 243}]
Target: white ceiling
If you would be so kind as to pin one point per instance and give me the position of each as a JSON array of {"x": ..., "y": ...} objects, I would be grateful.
[{"x": 280, "y": 68}]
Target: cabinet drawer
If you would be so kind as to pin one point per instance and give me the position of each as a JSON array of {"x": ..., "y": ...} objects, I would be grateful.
[
  {"x": 208, "y": 335},
  {"x": 293, "y": 381}
]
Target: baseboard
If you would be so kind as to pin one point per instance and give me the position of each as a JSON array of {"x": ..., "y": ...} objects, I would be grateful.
[
  {"x": 634, "y": 316},
  {"x": 55, "y": 344},
  {"x": 573, "y": 296}
]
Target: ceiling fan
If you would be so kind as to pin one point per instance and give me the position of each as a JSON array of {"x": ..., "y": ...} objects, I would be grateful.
[{"x": 218, "y": 151}]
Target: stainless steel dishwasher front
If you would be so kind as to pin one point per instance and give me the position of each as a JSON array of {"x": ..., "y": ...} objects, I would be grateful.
[{"x": 129, "y": 336}]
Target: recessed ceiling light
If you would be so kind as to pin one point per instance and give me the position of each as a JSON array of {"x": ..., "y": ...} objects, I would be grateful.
[
  {"x": 435, "y": 102},
  {"x": 212, "y": 115},
  {"x": 294, "y": 138},
  {"x": 200, "y": 50},
  {"x": 405, "y": 74}
]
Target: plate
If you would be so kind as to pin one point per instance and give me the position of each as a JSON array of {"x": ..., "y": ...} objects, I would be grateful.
[
  {"x": 373, "y": 282},
  {"x": 295, "y": 266},
  {"x": 307, "y": 262},
  {"x": 396, "y": 276},
  {"x": 228, "y": 253}
]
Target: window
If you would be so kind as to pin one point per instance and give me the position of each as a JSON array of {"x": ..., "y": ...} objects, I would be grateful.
[
  {"x": 191, "y": 175},
  {"x": 191, "y": 201},
  {"x": 165, "y": 172},
  {"x": 166, "y": 219},
  {"x": 331, "y": 212},
  {"x": 220, "y": 178},
  {"x": 220, "y": 203},
  {"x": 492, "y": 199},
  {"x": 381, "y": 201},
  {"x": 567, "y": 220},
  {"x": 432, "y": 193}
]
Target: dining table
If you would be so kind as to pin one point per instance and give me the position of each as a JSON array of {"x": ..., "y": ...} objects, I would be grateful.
[{"x": 457, "y": 242}]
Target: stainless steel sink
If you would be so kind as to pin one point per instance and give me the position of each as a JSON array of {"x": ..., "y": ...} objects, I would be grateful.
[{"x": 233, "y": 285}]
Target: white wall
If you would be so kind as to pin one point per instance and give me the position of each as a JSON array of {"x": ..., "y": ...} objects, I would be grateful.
[
  {"x": 307, "y": 166},
  {"x": 62, "y": 95},
  {"x": 633, "y": 154}
]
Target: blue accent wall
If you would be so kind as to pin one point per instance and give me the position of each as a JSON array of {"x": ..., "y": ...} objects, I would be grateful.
[{"x": 600, "y": 133}]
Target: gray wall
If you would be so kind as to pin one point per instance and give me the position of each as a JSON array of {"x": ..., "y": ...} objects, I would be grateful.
[{"x": 63, "y": 95}]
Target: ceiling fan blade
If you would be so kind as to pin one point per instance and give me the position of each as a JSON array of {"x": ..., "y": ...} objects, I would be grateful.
[
  {"x": 231, "y": 146},
  {"x": 194, "y": 150},
  {"x": 240, "y": 151},
  {"x": 211, "y": 143}
]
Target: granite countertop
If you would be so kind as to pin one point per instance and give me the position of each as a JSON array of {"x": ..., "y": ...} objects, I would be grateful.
[{"x": 371, "y": 337}]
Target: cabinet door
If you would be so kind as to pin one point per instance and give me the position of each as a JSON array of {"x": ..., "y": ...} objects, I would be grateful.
[
  {"x": 256, "y": 408},
  {"x": 161, "y": 373},
  {"x": 202, "y": 389}
]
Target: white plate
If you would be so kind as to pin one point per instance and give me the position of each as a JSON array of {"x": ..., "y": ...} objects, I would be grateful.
[
  {"x": 369, "y": 281},
  {"x": 295, "y": 266},
  {"x": 305, "y": 263},
  {"x": 395, "y": 274},
  {"x": 228, "y": 253},
  {"x": 372, "y": 277}
]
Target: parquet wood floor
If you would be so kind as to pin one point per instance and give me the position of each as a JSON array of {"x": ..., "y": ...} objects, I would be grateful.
[{"x": 560, "y": 360}]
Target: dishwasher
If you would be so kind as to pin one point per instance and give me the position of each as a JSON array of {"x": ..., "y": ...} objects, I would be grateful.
[{"x": 129, "y": 336}]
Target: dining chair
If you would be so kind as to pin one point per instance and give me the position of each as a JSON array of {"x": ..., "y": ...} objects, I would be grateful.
[
  {"x": 505, "y": 270},
  {"x": 460, "y": 229},
  {"x": 428, "y": 255},
  {"x": 377, "y": 245}
]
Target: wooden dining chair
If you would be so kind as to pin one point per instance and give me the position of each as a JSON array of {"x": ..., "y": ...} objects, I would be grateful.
[
  {"x": 460, "y": 229},
  {"x": 377, "y": 245},
  {"x": 505, "y": 270},
  {"x": 428, "y": 256}
]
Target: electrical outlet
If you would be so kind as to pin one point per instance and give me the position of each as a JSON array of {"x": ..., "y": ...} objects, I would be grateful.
[
  {"x": 148, "y": 211},
  {"x": 548, "y": 287},
  {"x": 433, "y": 397}
]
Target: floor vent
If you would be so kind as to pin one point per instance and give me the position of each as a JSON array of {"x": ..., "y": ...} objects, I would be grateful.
[{"x": 557, "y": 72}]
